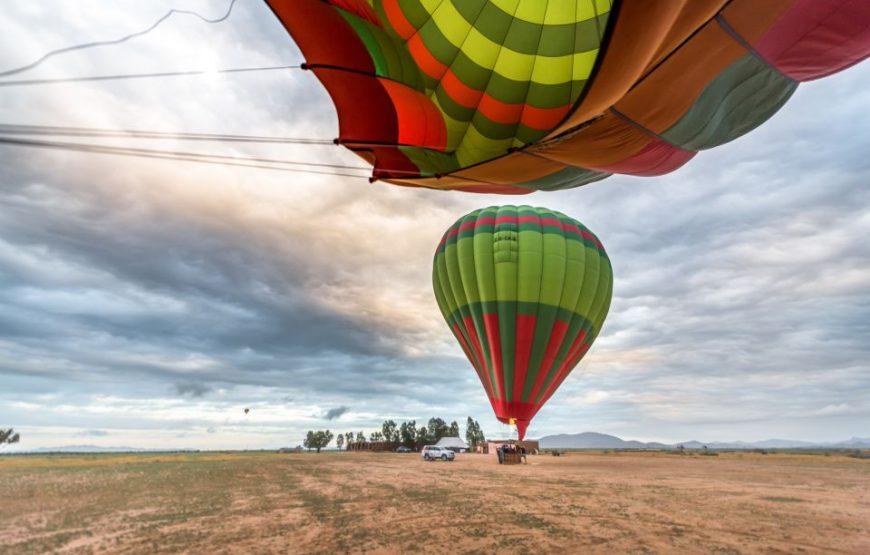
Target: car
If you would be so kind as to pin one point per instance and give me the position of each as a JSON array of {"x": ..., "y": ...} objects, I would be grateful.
[
  {"x": 403, "y": 449},
  {"x": 433, "y": 453}
]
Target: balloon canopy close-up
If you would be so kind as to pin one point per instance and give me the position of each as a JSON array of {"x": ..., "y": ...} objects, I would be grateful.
[
  {"x": 525, "y": 291},
  {"x": 516, "y": 96}
]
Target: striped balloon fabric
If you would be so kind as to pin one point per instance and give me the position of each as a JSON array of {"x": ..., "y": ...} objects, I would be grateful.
[
  {"x": 525, "y": 291},
  {"x": 514, "y": 96}
]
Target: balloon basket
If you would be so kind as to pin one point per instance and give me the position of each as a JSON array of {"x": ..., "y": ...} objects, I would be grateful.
[{"x": 510, "y": 453}]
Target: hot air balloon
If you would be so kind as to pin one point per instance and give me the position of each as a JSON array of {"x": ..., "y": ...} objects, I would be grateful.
[
  {"x": 525, "y": 291},
  {"x": 515, "y": 96}
]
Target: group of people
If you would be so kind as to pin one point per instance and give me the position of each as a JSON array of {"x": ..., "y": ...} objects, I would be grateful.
[{"x": 512, "y": 449}]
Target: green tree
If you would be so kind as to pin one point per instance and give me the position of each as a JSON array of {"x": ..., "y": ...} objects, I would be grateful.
[
  {"x": 438, "y": 428},
  {"x": 408, "y": 434},
  {"x": 422, "y": 437},
  {"x": 349, "y": 438},
  {"x": 317, "y": 440},
  {"x": 8, "y": 436},
  {"x": 473, "y": 433},
  {"x": 390, "y": 431},
  {"x": 454, "y": 429},
  {"x": 360, "y": 437},
  {"x": 469, "y": 433},
  {"x": 376, "y": 436},
  {"x": 339, "y": 441}
]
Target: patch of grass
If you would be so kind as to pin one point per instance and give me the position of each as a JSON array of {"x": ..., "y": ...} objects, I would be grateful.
[
  {"x": 316, "y": 501},
  {"x": 510, "y": 542},
  {"x": 476, "y": 532},
  {"x": 424, "y": 493},
  {"x": 784, "y": 499},
  {"x": 529, "y": 520}
]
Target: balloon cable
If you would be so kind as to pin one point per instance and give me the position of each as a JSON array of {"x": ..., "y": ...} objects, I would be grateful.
[
  {"x": 224, "y": 160},
  {"x": 126, "y": 76},
  {"x": 68, "y": 131},
  {"x": 120, "y": 40},
  {"x": 10, "y": 133}
]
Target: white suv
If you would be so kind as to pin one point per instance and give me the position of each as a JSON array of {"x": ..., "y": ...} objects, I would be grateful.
[{"x": 433, "y": 452}]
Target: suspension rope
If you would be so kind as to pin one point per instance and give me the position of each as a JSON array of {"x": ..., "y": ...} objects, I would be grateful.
[
  {"x": 69, "y": 131},
  {"x": 126, "y": 76},
  {"x": 224, "y": 160},
  {"x": 143, "y": 32},
  {"x": 10, "y": 130}
]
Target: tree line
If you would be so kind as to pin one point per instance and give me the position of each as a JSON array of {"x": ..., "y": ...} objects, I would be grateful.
[{"x": 406, "y": 433}]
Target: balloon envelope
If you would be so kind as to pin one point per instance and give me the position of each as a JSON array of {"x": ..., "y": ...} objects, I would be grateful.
[
  {"x": 514, "y": 96},
  {"x": 525, "y": 291}
]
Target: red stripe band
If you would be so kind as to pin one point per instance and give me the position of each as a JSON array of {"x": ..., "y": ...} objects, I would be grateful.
[{"x": 549, "y": 222}]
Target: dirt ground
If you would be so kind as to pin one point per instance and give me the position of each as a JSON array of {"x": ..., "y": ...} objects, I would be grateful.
[{"x": 385, "y": 503}]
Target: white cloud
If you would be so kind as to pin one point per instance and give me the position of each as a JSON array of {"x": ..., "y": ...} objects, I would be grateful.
[{"x": 829, "y": 410}]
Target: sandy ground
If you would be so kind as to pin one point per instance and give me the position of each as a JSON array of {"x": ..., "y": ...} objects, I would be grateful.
[{"x": 386, "y": 503}]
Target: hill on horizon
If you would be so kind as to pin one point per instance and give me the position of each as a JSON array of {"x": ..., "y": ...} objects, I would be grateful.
[
  {"x": 595, "y": 440},
  {"x": 90, "y": 449}
]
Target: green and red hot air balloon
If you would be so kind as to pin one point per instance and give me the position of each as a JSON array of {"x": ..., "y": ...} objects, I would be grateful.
[
  {"x": 517, "y": 96},
  {"x": 525, "y": 291}
]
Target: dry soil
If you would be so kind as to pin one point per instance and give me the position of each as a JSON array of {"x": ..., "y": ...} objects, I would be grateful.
[{"x": 386, "y": 503}]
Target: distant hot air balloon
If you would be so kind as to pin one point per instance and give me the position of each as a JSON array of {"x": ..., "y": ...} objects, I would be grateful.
[
  {"x": 525, "y": 291},
  {"x": 515, "y": 96},
  {"x": 247, "y": 410}
]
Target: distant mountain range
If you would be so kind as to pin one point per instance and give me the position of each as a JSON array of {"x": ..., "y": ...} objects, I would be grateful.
[
  {"x": 86, "y": 449},
  {"x": 91, "y": 449},
  {"x": 594, "y": 440}
]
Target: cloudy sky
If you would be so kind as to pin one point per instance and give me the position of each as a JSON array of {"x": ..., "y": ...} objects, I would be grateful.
[{"x": 146, "y": 303}]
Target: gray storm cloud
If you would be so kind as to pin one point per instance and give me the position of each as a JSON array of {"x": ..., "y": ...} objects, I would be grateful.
[
  {"x": 335, "y": 412},
  {"x": 191, "y": 389}
]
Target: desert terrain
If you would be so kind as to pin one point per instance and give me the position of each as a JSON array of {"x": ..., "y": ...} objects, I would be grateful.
[{"x": 385, "y": 503}]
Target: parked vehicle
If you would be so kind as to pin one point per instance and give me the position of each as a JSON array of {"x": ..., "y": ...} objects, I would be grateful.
[
  {"x": 403, "y": 449},
  {"x": 433, "y": 453}
]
